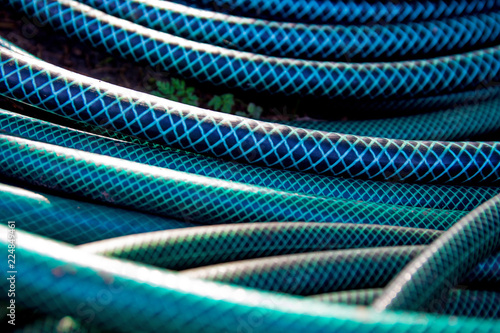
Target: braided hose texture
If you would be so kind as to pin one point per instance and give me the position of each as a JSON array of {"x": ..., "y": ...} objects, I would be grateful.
[
  {"x": 244, "y": 140},
  {"x": 249, "y": 71},
  {"x": 142, "y": 214},
  {"x": 354, "y": 12},
  {"x": 352, "y": 42}
]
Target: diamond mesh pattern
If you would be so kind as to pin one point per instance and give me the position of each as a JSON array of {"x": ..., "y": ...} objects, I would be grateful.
[
  {"x": 326, "y": 271},
  {"x": 459, "y": 302},
  {"x": 446, "y": 260},
  {"x": 342, "y": 234},
  {"x": 73, "y": 221},
  {"x": 202, "y": 246},
  {"x": 348, "y": 11},
  {"x": 457, "y": 123},
  {"x": 352, "y": 42},
  {"x": 240, "y": 139},
  {"x": 249, "y": 71},
  {"x": 190, "y": 197},
  {"x": 173, "y": 302},
  {"x": 414, "y": 195}
]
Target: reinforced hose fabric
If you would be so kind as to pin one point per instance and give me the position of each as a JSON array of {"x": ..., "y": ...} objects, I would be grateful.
[
  {"x": 176, "y": 302},
  {"x": 347, "y": 11},
  {"x": 144, "y": 214},
  {"x": 237, "y": 138},
  {"x": 136, "y": 150},
  {"x": 321, "y": 42},
  {"x": 249, "y": 71}
]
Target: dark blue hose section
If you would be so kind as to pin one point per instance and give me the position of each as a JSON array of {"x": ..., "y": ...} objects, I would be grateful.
[
  {"x": 142, "y": 214},
  {"x": 404, "y": 194},
  {"x": 249, "y": 141},
  {"x": 372, "y": 42},
  {"x": 248, "y": 71},
  {"x": 349, "y": 11}
]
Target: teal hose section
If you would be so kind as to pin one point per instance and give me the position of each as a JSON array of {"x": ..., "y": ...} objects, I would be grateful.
[
  {"x": 321, "y": 42},
  {"x": 193, "y": 247},
  {"x": 72, "y": 221},
  {"x": 135, "y": 150},
  {"x": 459, "y": 123},
  {"x": 170, "y": 193},
  {"x": 381, "y": 106},
  {"x": 441, "y": 265},
  {"x": 237, "y": 138},
  {"x": 327, "y": 271},
  {"x": 179, "y": 303},
  {"x": 459, "y": 302},
  {"x": 249, "y": 71},
  {"x": 142, "y": 214},
  {"x": 350, "y": 11}
]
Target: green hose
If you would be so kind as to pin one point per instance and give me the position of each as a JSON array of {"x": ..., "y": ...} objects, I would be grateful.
[{"x": 147, "y": 215}]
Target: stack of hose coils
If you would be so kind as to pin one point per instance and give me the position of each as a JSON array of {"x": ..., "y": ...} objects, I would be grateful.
[{"x": 126, "y": 212}]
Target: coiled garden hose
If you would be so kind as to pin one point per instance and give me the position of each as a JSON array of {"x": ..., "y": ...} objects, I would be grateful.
[
  {"x": 403, "y": 194},
  {"x": 459, "y": 302},
  {"x": 233, "y": 137},
  {"x": 458, "y": 123},
  {"x": 147, "y": 215},
  {"x": 358, "y": 11},
  {"x": 221, "y": 243},
  {"x": 74, "y": 221},
  {"x": 326, "y": 271},
  {"x": 339, "y": 42},
  {"x": 169, "y": 301},
  {"x": 249, "y": 71},
  {"x": 191, "y": 197}
]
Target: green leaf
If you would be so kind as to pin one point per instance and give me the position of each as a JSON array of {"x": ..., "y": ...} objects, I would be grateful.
[
  {"x": 165, "y": 88},
  {"x": 254, "y": 111},
  {"x": 227, "y": 103},
  {"x": 215, "y": 103},
  {"x": 179, "y": 85},
  {"x": 191, "y": 100}
]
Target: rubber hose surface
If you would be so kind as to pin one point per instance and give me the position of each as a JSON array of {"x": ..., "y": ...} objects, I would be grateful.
[{"x": 207, "y": 222}]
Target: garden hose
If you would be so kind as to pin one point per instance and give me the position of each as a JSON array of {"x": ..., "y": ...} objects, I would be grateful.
[
  {"x": 147, "y": 215},
  {"x": 233, "y": 242},
  {"x": 191, "y": 197},
  {"x": 459, "y": 302},
  {"x": 170, "y": 301},
  {"x": 462, "y": 122},
  {"x": 321, "y": 42},
  {"x": 349, "y": 11},
  {"x": 463, "y": 98},
  {"x": 248, "y": 71},
  {"x": 404, "y": 194},
  {"x": 233, "y": 137},
  {"x": 74, "y": 221},
  {"x": 326, "y": 271}
]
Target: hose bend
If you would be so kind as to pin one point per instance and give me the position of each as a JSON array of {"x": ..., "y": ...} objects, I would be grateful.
[{"x": 144, "y": 214}]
